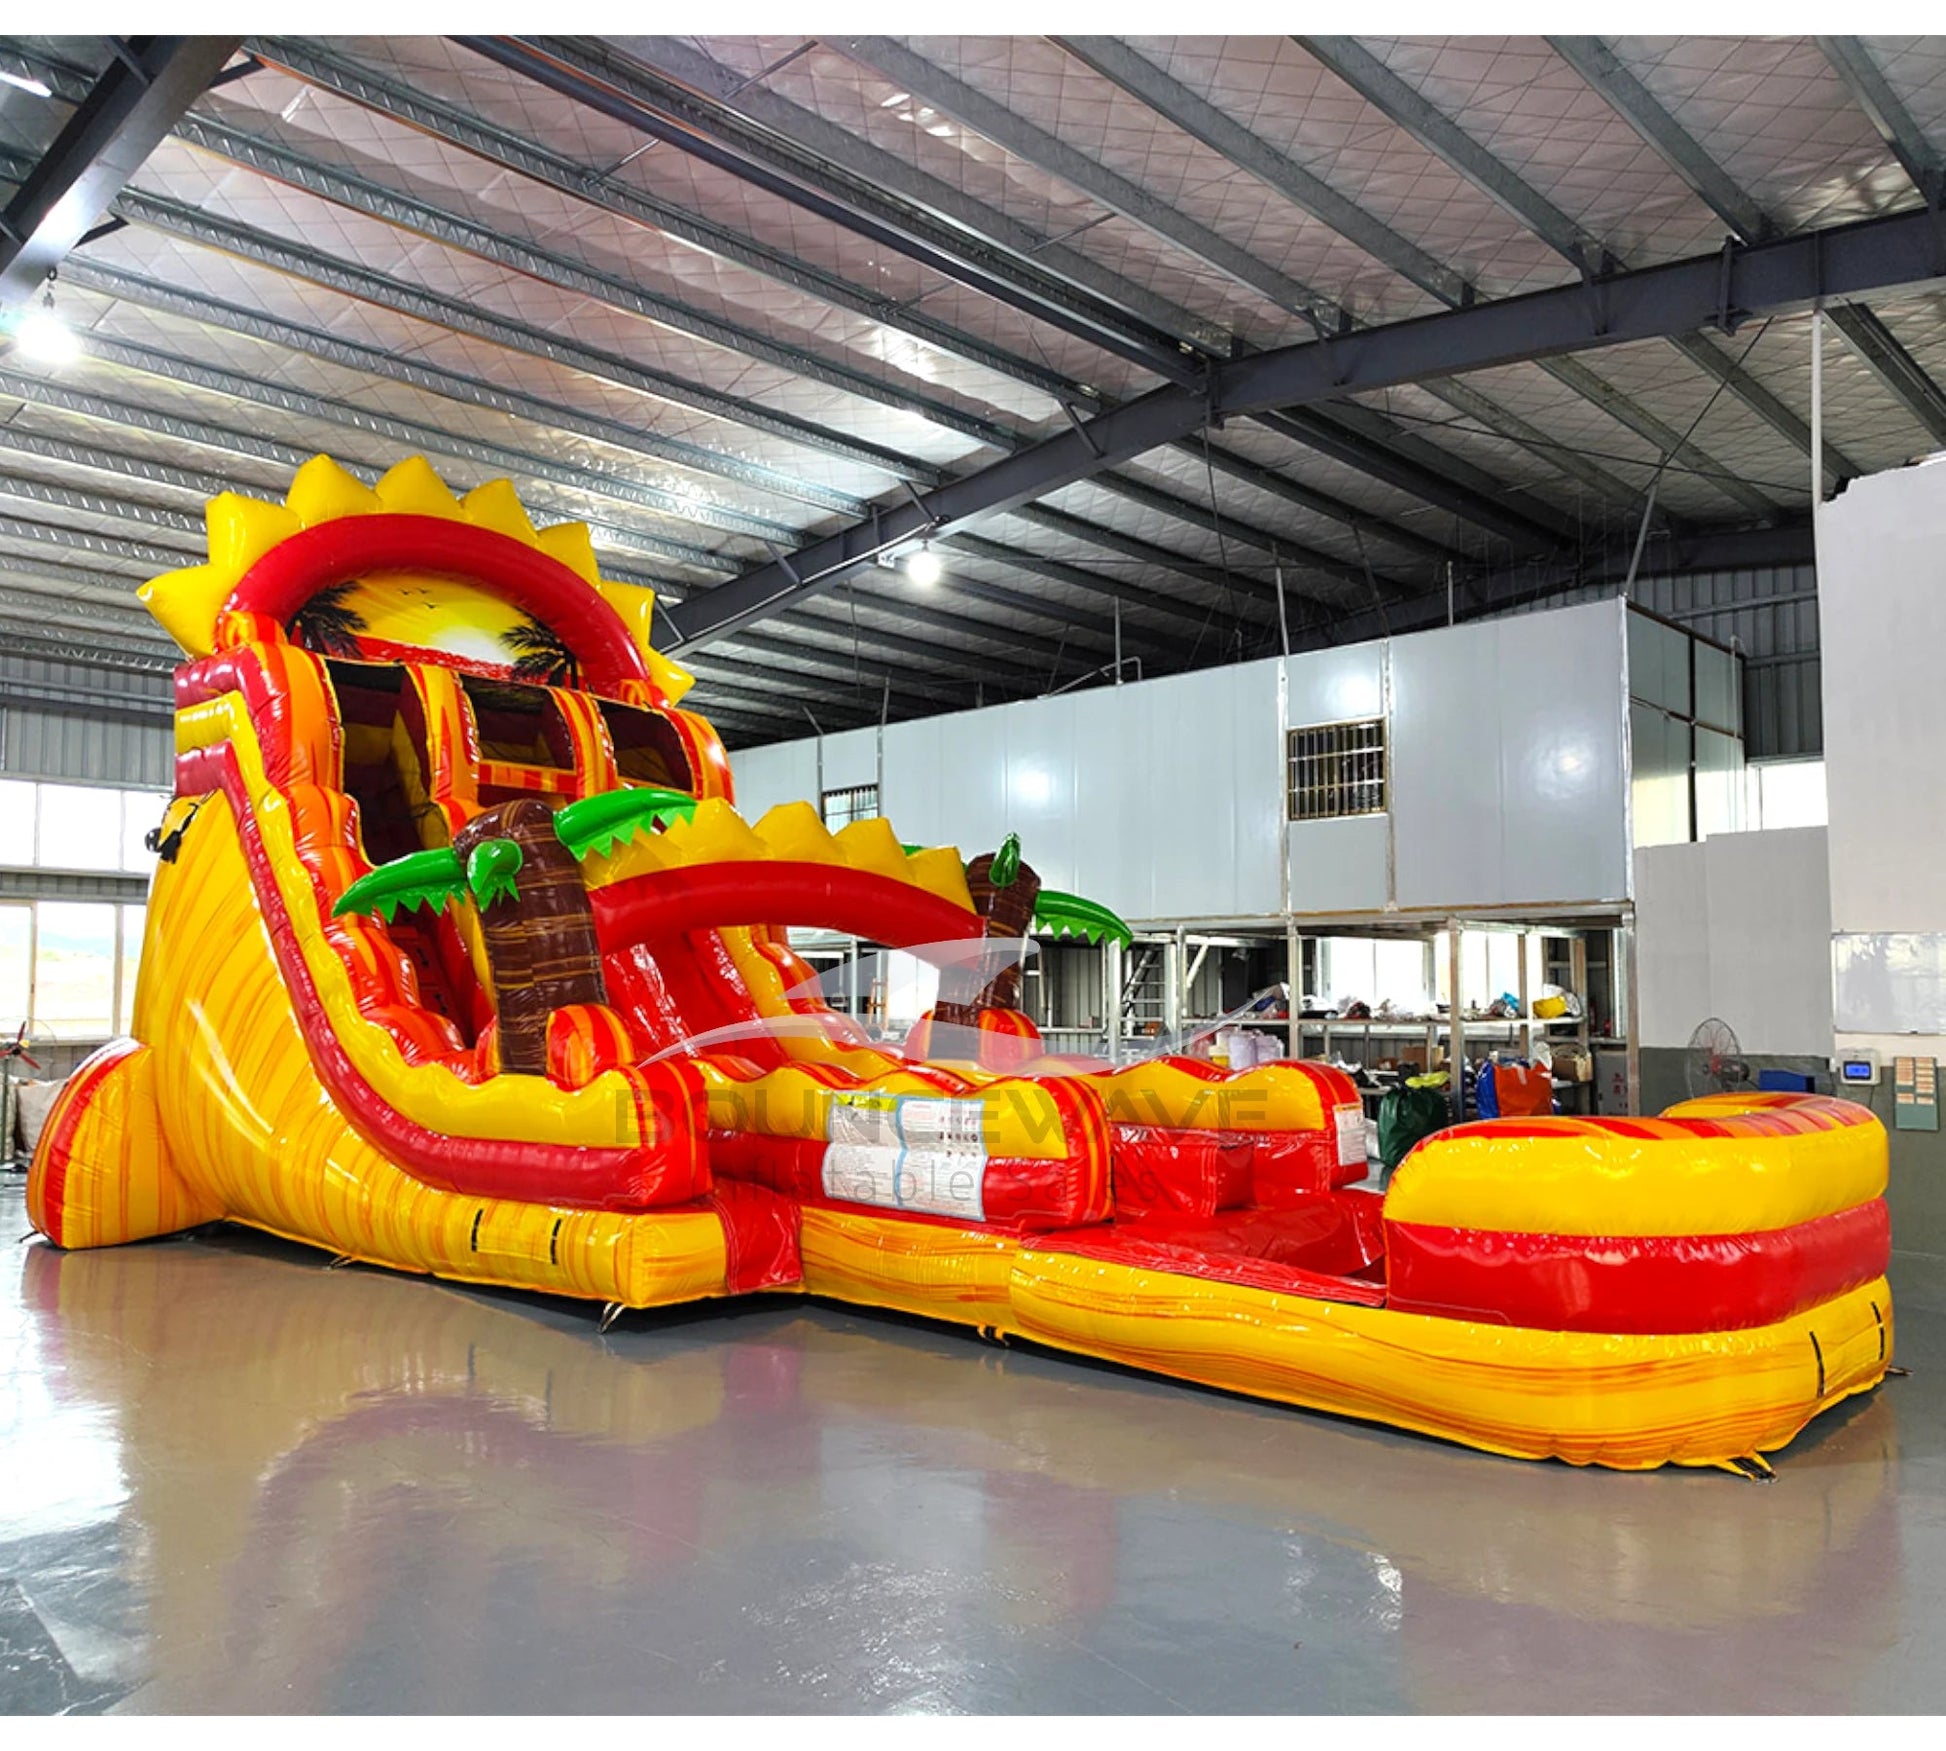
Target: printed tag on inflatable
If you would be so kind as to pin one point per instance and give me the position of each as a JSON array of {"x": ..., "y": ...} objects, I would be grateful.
[
  {"x": 906, "y": 1120},
  {"x": 871, "y": 1119},
  {"x": 1351, "y": 1136},
  {"x": 933, "y": 1182}
]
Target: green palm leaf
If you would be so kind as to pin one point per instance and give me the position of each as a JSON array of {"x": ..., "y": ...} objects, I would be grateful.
[
  {"x": 426, "y": 878},
  {"x": 597, "y": 824},
  {"x": 1070, "y": 915}
]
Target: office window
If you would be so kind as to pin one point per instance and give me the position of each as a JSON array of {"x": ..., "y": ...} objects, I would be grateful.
[
  {"x": 1337, "y": 770},
  {"x": 856, "y": 802}
]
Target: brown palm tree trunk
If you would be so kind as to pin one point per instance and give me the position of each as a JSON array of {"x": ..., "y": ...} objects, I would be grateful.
[
  {"x": 1009, "y": 914},
  {"x": 540, "y": 946}
]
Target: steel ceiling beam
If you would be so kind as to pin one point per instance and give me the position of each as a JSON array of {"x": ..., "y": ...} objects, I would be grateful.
[
  {"x": 203, "y": 486},
  {"x": 841, "y": 163},
  {"x": 1060, "y": 572},
  {"x": 147, "y": 86},
  {"x": 1112, "y": 59},
  {"x": 1872, "y": 92},
  {"x": 898, "y": 65},
  {"x": 1729, "y": 287},
  {"x": 1869, "y": 337},
  {"x": 1368, "y": 525},
  {"x": 1361, "y": 437},
  {"x": 892, "y": 60},
  {"x": 369, "y": 198},
  {"x": 374, "y": 200},
  {"x": 251, "y": 446},
  {"x": 1409, "y": 110},
  {"x": 1896, "y": 368},
  {"x": 361, "y": 194},
  {"x": 453, "y": 386},
  {"x": 1603, "y": 70},
  {"x": 299, "y": 261},
  {"x": 1251, "y": 589},
  {"x": 675, "y": 118},
  {"x": 1221, "y": 526},
  {"x": 318, "y": 64},
  {"x": 407, "y": 298}
]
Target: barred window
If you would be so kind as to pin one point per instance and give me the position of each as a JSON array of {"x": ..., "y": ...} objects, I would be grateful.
[
  {"x": 856, "y": 802},
  {"x": 1337, "y": 770}
]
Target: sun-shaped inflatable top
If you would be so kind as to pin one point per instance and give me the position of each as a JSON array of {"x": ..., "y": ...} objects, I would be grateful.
[{"x": 461, "y": 577}]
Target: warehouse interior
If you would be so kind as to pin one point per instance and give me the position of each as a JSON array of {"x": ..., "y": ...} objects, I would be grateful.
[{"x": 1436, "y": 538}]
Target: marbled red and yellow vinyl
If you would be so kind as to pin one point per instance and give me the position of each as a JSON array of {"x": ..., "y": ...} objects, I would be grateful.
[{"x": 461, "y": 960}]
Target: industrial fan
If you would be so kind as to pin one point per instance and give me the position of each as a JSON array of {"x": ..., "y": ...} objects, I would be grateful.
[{"x": 1716, "y": 1064}]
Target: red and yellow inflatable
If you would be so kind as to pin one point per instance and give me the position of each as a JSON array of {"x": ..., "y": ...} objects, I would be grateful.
[{"x": 461, "y": 960}]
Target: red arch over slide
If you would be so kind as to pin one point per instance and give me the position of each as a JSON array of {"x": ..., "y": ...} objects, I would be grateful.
[
  {"x": 718, "y": 895},
  {"x": 293, "y": 571}
]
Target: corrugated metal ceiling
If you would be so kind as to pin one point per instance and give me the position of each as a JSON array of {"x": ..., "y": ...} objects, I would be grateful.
[{"x": 372, "y": 245}]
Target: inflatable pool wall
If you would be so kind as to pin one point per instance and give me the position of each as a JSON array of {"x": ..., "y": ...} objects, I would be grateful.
[{"x": 460, "y": 960}]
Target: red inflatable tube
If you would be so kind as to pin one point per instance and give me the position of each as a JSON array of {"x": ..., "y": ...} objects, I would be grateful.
[
  {"x": 715, "y": 896},
  {"x": 1328, "y": 1247},
  {"x": 293, "y": 571},
  {"x": 1029, "y": 1193},
  {"x": 1638, "y": 1285}
]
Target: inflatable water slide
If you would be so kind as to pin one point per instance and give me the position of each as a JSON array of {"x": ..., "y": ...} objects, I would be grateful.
[{"x": 460, "y": 960}]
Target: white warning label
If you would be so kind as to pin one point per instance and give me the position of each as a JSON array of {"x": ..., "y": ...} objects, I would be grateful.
[
  {"x": 930, "y": 1182},
  {"x": 906, "y": 1152},
  {"x": 1351, "y": 1136}
]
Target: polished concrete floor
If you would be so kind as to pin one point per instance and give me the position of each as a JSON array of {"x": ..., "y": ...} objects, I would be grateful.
[{"x": 232, "y": 1480}]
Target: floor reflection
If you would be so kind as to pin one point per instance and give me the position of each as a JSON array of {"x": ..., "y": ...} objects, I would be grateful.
[{"x": 238, "y": 1481}]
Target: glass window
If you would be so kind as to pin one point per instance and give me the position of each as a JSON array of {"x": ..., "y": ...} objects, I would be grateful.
[
  {"x": 134, "y": 921},
  {"x": 1719, "y": 783},
  {"x": 856, "y": 802},
  {"x": 16, "y": 978},
  {"x": 1785, "y": 793},
  {"x": 17, "y": 802},
  {"x": 1659, "y": 748},
  {"x": 81, "y": 827},
  {"x": 74, "y": 970}
]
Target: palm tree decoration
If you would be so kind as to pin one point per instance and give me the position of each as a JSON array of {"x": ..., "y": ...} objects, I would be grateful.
[
  {"x": 540, "y": 656},
  {"x": 519, "y": 865},
  {"x": 1008, "y": 894},
  {"x": 326, "y": 625}
]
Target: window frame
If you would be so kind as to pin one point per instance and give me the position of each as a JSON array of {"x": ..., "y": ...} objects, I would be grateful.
[{"x": 1358, "y": 739}]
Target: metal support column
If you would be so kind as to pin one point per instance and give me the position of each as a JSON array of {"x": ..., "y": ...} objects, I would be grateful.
[
  {"x": 1455, "y": 1022},
  {"x": 1293, "y": 988},
  {"x": 1625, "y": 1004},
  {"x": 1111, "y": 998}
]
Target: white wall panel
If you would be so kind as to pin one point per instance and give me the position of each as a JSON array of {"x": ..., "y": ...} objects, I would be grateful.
[
  {"x": 1737, "y": 927},
  {"x": 850, "y": 758},
  {"x": 1658, "y": 664},
  {"x": 1508, "y": 761},
  {"x": 1563, "y": 764},
  {"x": 1883, "y": 615},
  {"x": 1166, "y": 799},
  {"x": 1337, "y": 686},
  {"x": 783, "y": 772},
  {"x": 1339, "y": 866}
]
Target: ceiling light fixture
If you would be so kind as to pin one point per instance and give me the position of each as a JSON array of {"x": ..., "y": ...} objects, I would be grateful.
[
  {"x": 22, "y": 82},
  {"x": 924, "y": 568},
  {"x": 44, "y": 336}
]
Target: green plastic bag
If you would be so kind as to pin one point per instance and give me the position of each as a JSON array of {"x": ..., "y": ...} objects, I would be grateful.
[{"x": 1407, "y": 1114}]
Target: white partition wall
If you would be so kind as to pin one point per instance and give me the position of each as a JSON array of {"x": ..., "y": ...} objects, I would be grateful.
[
  {"x": 1882, "y": 609},
  {"x": 1737, "y": 927},
  {"x": 1507, "y": 757}
]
